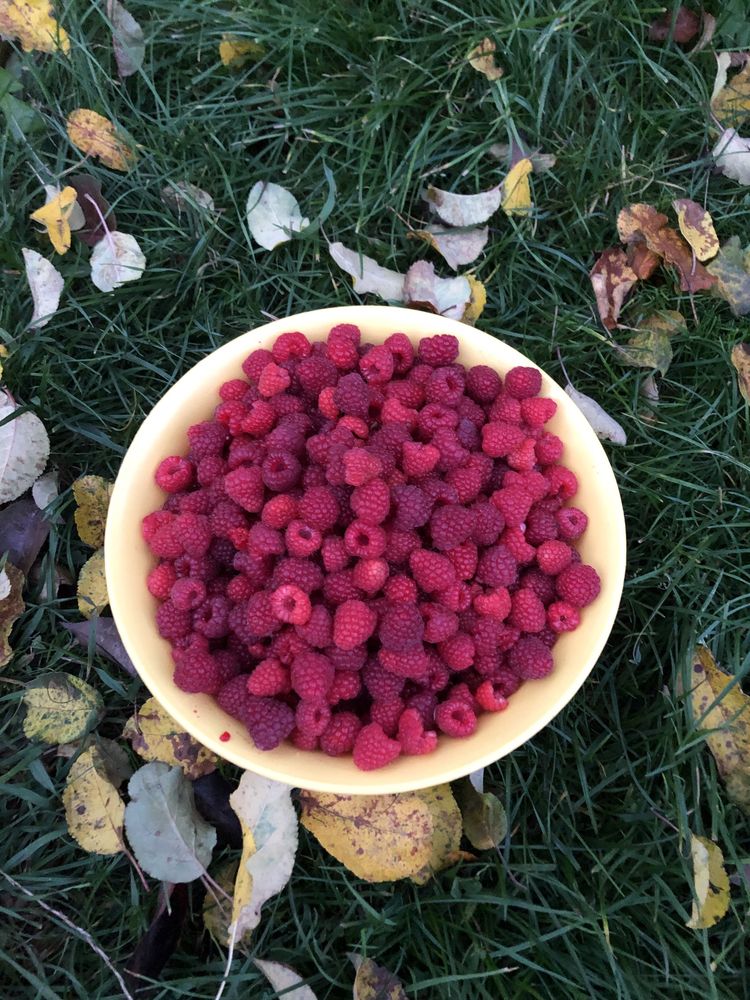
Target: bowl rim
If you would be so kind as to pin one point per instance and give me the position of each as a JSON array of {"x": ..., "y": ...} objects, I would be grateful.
[{"x": 130, "y": 471}]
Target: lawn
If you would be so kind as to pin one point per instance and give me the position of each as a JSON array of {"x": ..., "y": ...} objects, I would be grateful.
[{"x": 589, "y": 894}]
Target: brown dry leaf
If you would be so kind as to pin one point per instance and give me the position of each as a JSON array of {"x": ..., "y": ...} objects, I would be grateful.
[
  {"x": 741, "y": 362},
  {"x": 711, "y": 883},
  {"x": 154, "y": 735},
  {"x": 464, "y": 209},
  {"x": 477, "y": 302},
  {"x": 375, "y": 982},
  {"x": 423, "y": 289},
  {"x": 517, "y": 190},
  {"x": 92, "y": 586},
  {"x": 731, "y": 98},
  {"x": 95, "y": 135},
  {"x": 643, "y": 261},
  {"x": 92, "y": 495},
  {"x": 636, "y": 220},
  {"x": 235, "y": 51},
  {"x": 484, "y": 820},
  {"x": 612, "y": 278},
  {"x": 55, "y": 217},
  {"x": 482, "y": 59},
  {"x": 731, "y": 269},
  {"x": 94, "y": 809},
  {"x": 90, "y": 198},
  {"x": 722, "y": 710},
  {"x": 456, "y": 246},
  {"x": 697, "y": 226},
  {"x": 682, "y": 26},
  {"x": 642, "y": 222},
  {"x": 11, "y": 607},
  {"x": 33, "y": 24},
  {"x": 446, "y": 831}
]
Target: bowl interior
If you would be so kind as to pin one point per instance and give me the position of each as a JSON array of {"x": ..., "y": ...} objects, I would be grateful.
[{"x": 128, "y": 561}]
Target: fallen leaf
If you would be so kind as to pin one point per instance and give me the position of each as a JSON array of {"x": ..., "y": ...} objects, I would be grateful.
[
  {"x": 730, "y": 268},
  {"x": 464, "y": 209},
  {"x": 375, "y": 982},
  {"x": 477, "y": 302},
  {"x": 92, "y": 495},
  {"x": 33, "y": 24},
  {"x": 605, "y": 427},
  {"x": 182, "y": 195},
  {"x": 94, "y": 809},
  {"x": 212, "y": 792},
  {"x": 707, "y": 34},
  {"x": 154, "y": 735},
  {"x": 611, "y": 278},
  {"x": 106, "y": 639},
  {"x": 115, "y": 259},
  {"x": 269, "y": 847},
  {"x": 697, "y": 226},
  {"x": 741, "y": 362},
  {"x": 54, "y": 216},
  {"x": 651, "y": 347},
  {"x": 423, "y": 289},
  {"x": 446, "y": 831},
  {"x": 482, "y": 59},
  {"x": 378, "y": 837},
  {"x": 95, "y": 135},
  {"x": 484, "y": 821},
  {"x": 158, "y": 943},
  {"x": 92, "y": 586},
  {"x": 722, "y": 710},
  {"x": 642, "y": 260},
  {"x": 515, "y": 151},
  {"x": 235, "y": 51},
  {"x": 116, "y": 760},
  {"x": 127, "y": 39},
  {"x": 23, "y": 532},
  {"x": 368, "y": 275},
  {"x": 45, "y": 489},
  {"x": 634, "y": 221},
  {"x": 273, "y": 214},
  {"x": 732, "y": 156},
  {"x": 24, "y": 450},
  {"x": 641, "y": 222},
  {"x": 711, "y": 883},
  {"x": 22, "y": 119},
  {"x": 5, "y": 585},
  {"x": 170, "y": 840},
  {"x": 46, "y": 284},
  {"x": 456, "y": 246},
  {"x": 516, "y": 189},
  {"x": 730, "y": 101},
  {"x": 217, "y": 909},
  {"x": 285, "y": 980},
  {"x": 60, "y": 708},
  {"x": 681, "y": 26},
  {"x": 94, "y": 208},
  {"x": 10, "y": 608}
]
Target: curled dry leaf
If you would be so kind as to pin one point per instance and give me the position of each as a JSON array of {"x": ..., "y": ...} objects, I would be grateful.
[
  {"x": 235, "y": 51},
  {"x": 116, "y": 259},
  {"x": 681, "y": 26},
  {"x": 94, "y": 809},
  {"x": 605, "y": 427},
  {"x": 446, "y": 831},
  {"x": 55, "y": 217},
  {"x": 182, "y": 195},
  {"x": 368, "y": 275},
  {"x": 375, "y": 982},
  {"x": 24, "y": 450},
  {"x": 154, "y": 735},
  {"x": 482, "y": 59},
  {"x": 732, "y": 156},
  {"x": 23, "y": 532},
  {"x": 642, "y": 260},
  {"x": 515, "y": 151},
  {"x": 285, "y": 980},
  {"x": 651, "y": 347},
  {"x": 464, "y": 209},
  {"x": 60, "y": 708},
  {"x": 710, "y": 883},
  {"x": 106, "y": 640},
  {"x": 217, "y": 909},
  {"x": 75, "y": 219},
  {"x": 46, "y": 284},
  {"x": 33, "y": 24},
  {"x": 730, "y": 269},
  {"x": 477, "y": 302},
  {"x": 707, "y": 34},
  {"x": 612, "y": 278},
  {"x": 96, "y": 136},
  {"x": 45, "y": 489},
  {"x": 127, "y": 39},
  {"x": 273, "y": 214},
  {"x": 741, "y": 362},
  {"x": 456, "y": 246},
  {"x": 212, "y": 793},
  {"x": 697, "y": 226},
  {"x": 423, "y": 289},
  {"x": 730, "y": 101},
  {"x": 721, "y": 709},
  {"x": 11, "y": 606},
  {"x": 94, "y": 208},
  {"x": 517, "y": 190},
  {"x": 5, "y": 585},
  {"x": 171, "y": 841},
  {"x": 484, "y": 821},
  {"x": 92, "y": 586},
  {"x": 92, "y": 495},
  {"x": 641, "y": 222}
]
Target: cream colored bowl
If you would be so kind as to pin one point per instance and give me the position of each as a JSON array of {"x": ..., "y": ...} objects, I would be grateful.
[{"x": 128, "y": 561}]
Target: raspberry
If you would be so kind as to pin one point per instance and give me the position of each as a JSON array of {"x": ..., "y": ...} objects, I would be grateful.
[
  {"x": 281, "y": 471},
  {"x": 207, "y": 438},
  {"x": 233, "y": 696},
  {"x": 339, "y": 587},
  {"x": 261, "y": 621},
  {"x": 270, "y": 677},
  {"x": 370, "y": 575},
  {"x": 353, "y": 624},
  {"x": 187, "y": 593},
  {"x": 381, "y": 683},
  {"x": 467, "y": 482},
  {"x": 552, "y": 557},
  {"x": 527, "y": 611},
  {"x": 210, "y": 468},
  {"x": 455, "y": 718},
  {"x": 445, "y": 385},
  {"x": 530, "y": 658},
  {"x": 418, "y": 460},
  {"x": 303, "y": 741},
  {"x": 334, "y": 554},
  {"x": 273, "y": 380},
  {"x": 400, "y": 589},
  {"x": 259, "y": 541},
  {"x": 254, "y": 363},
  {"x": 489, "y": 523},
  {"x": 326, "y": 403},
  {"x": 366, "y": 541},
  {"x": 442, "y": 349},
  {"x": 318, "y": 630},
  {"x": 341, "y": 347},
  {"x": 461, "y": 692},
  {"x": 161, "y": 580},
  {"x": 514, "y": 503},
  {"x": 285, "y": 646},
  {"x": 562, "y": 482},
  {"x": 290, "y": 604},
  {"x": 312, "y": 675},
  {"x": 352, "y": 396},
  {"x": 571, "y": 522},
  {"x": 373, "y": 749},
  {"x": 360, "y": 466},
  {"x": 533, "y": 482},
  {"x": 340, "y": 734},
  {"x": 497, "y": 567},
  {"x": 542, "y": 585},
  {"x": 490, "y": 696},
  {"x": 412, "y": 663},
  {"x": 523, "y": 458},
  {"x": 171, "y": 622},
  {"x": 197, "y": 672},
  {"x": 377, "y": 365},
  {"x": 211, "y": 618},
  {"x": 457, "y": 652},
  {"x": 424, "y": 702},
  {"x": 290, "y": 345},
  {"x": 174, "y": 474},
  {"x": 541, "y": 526},
  {"x": 312, "y": 717},
  {"x": 401, "y": 627},
  {"x": 233, "y": 389},
  {"x": 548, "y": 448},
  {"x": 563, "y": 617},
  {"x": 506, "y": 681},
  {"x": 495, "y": 604},
  {"x": 387, "y": 714},
  {"x": 301, "y": 572},
  {"x": 403, "y": 353},
  {"x": 451, "y": 525},
  {"x": 319, "y": 508},
  {"x": 464, "y": 559},
  {"x": 245, "y": 486},
  {"x": 431, "y": 570},
  {"x": 301, "y": 539},
  {"x": 536, "y": 411},
  {"x": 505, "y": 407},
  {"x": 346, "y": 686},
  {"x": 347, "y": 659},
  {"x": 412, "y": 507},
  {"x": 515, "y": 542},
  {"x": 482, "y": 383},
  {"x": 523, "y": 382},
  {"x": 268, "y": 721},
  {"x": 500, "y": 438},
  {"x": 371, "y": 502},
  {"x": 412, "y": 736},
  {"x": 440, "y": 622},
  {"x": 578, "y": 584}
]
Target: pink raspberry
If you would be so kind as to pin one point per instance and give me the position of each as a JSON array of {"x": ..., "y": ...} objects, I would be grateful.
[
  {"x": 464, "y": 558},
  {"x": 527, "y": 611},
  {"x": 500, "y": 438},
  {"x": 461, "y": 692},
  {"x": 537, "y": 410},
  {"x": 451, "y": 525},
  {"x": 319, "y": 508},
  {"x": 270, "y": 677},
  {"x": 254, "y": 363},
  {"x": 197, "y": 672},
  {"x": 456, "y": 718},
  {"x": 210, "y": 468},
  {"x": 442, "y": 349},
  {"x": 403, "y": 353},
  {"x": 373, "y": 749},
  {"x": 533, "y": 482},
  {"x": 377, "y": 365},
  {"x": 326, "y": 403},
  {"x": 400, "y": 589},
  {"x": 290, "y": 346},
  {"x": 482, "y": 383},
  {"x": 445, "y": 385},
  {"x": 489, "y": 696},
  {"x": 233, "y": 389},
  {"x": 334, "y": 554},
  {"x": 523, "y": 458},
  {"x": 301, "y": 539},
  {"x": 530, "y": 659},
  {"x": 366, "y": 541},
  {"x": 207, "y": 438},
  {"x": 552, "y": 557},
  {"x": 165, "y": 542},
  {"x": 523, "y": 382},
  {"x": 161, "y": 579},
  {"x": 514, "y": 503},
  {"x": 495, "y": 604},
  {"x": 360, "y": 466},
  {"x": 401, "y": 627},
  {"x": 418, "y": 460},
  {"x": 571, "y": 522},
  {"x": 268, "y": 721},
  {"x": 171, "y": 622},
  {"x": 312, "y": 717},
  {"x": 431, "y": 570},
  {"x": 579, "y": 584},
  {"x": 353, "y": 624},
  {"x": 187, "y": 593},
  {"x": 340, "y": 734},
  {"x": 412, "y": 736},
  {"x": 291, "y": 604},
  {"x": 371, "y": 502},
  {"x": 346, "y": 686},
  {"x": 245, "y": 486},
  {"x": 233, "y": 696},
  {"x": 370, "y": 575},
  {"x": 506, "y": 681},
  {"x": 387, "y": 714},
  {"x": 457, "y": 652},
  {"x": 347, "y": 659},
  {"x": 174, "y": 474},
  {"x": 411, "y": 663},
  {"x": 341, "y": 346},
  {"x": 563, "y": 617},
  {"x": 273, "y": 380},
  {"x": 515, "y": 542},
  {"x": 497, "y": 567},
  {"x": 312, "y": 675}
]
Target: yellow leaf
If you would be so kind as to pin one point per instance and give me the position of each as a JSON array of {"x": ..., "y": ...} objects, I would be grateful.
[
  {"x": 154, "y": 735},
  {"x": 446, "y": 831},
  {"x": 92, "y": 586},
  {"x": 482, "y": 59},
  {"x": 731, "y": 103},
  {"x": 32, "y": 23},
  {"x": 722, "y": 710},
  {"x": 243, "y": 885},
  {"x": 741, "y": 362},
  {"x": 711, "y": 896},
  {"x": 217, "y": 909},
  {"x": 375, "y": 982},
  {"x": 11, "y": 607},
  {"x": 60, "y": 708},
  {"x": 378, "y": 837},
  {"x": 96, "y": 136},
  {"x": 55, "y": 217},
  {"x": 697, "y": 226},
  {"x": 517, "y": 190},
  {"x": 477, "y": 301},
  {"x": 235, "y": 51},
  {"x": 92, "y": 494},
  {"x": 94, "y": 810}
]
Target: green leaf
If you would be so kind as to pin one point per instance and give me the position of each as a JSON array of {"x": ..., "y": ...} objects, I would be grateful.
[
  {"x": 484, "y": 819},
  {"x": 60, "y": 708},
  {"x": 730, "y": 268}
]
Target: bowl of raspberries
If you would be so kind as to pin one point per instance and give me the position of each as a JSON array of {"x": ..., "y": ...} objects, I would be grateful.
[{"x": 364, "y": 549}]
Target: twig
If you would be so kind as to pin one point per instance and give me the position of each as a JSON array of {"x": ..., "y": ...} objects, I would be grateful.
[
  {"x": 104, "y": 226},
  {"x": 230, "y": 957}
]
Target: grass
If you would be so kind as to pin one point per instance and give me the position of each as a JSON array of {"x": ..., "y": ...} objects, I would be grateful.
[{"x": 589, "y": 895}]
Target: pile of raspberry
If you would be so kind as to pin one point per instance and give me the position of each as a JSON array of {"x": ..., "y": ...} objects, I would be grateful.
[{"x": 367, "y": 546}]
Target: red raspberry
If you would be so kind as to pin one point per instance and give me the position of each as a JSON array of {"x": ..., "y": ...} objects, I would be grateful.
[
  {"x": 339, "y": 587},
  {"x": 268, "y": 721},
  {"x": 259, "y": 541},
  {"x": 373, "y": 749},
  {"x": 403, "y": 353},
  {"x": 548, "y": 448},
  {"x": 514, "y": 503},
  {"x": 353, "y": 624},
  {"x": 541, "y": 526},
  {"x": 341, "y": 346},
  {"x": 533, "y": 482},
  {"x": 273, "y": 380},
  {"x": 187, "y": 593},
  {"x": 412, "y": 507},
  {"x": 401, "y": 627},
  {"x": 210, "y": 468},
  {"x": 233, "y": 696},
  {"x": 451, "y": 525},
  {"x": 254, "y": 363},
  {"x": 359, "y": 427},
  {"x": 312, "y": 675},
  {"x": 400, "y": 589},
  {"x": 347, "y": 659},
  {"x": 270, "y": 677},
  {"x": 371, "y": 502},
  {"x": 442, "y": 349},
  {"x": 530, "y": 658},
  {"x": 239, "y": 588},
  {"x": 489, "y": 524},
  {"x": 334, "y": 554},
  {"x": 542, "y": 585},
  {"x": 212, "y": 617},
  {"x": 453, "y": 455},
  {"x": 562, "y": 482},
  {"x": 360, "y": 466},
  {"x": 387, "y": 714},
  {"x": 440, "y": 622},
  {"x": 174, "y": 474},
  {"x": 207, "y": 438},
  {"x": 346, "y": 686},
  {"x": 377, "y": 365},
  {"x": 527, "y": 611},
  {"x": 571, "y": 522},
  {"x": 316, "y": 375},
  {"x": 425, "y": 703},
  {"x": 260, "y": 619},
  {"x": 245, "y": 486},
  {"x": 412, "y": 663},
  {"x": 173, "y": 623},
  {"x": 303, "y": 573},
  {"x": 290, "y": 345},
  {"x": 381, "y": 683},
  {"x": 494, "y": 604},
  {"x": 456, "y": 718},
  {"x": 578, "y": 584},
  {"x": 165, "y": 542},
  {"x": 431, "y": 570},
  {"x": 497, "y": 567},
  {"x": 352, "y": 395},
  {"x": 319, "y": 508},
  {"x": 445, "y": 385},
  {"x": 318, "y": 630},
  {"x": 281, "y": 471},
  {"x": 259, "y": 419},
  {"x": 457, "y": 652},
  {"x": 523, "y": 382},
  {"x": 536, "y": 411},
  {"x": 197, "y": 672},
  {"x": 490, "y": 696},
  {"x": 500, "y": 438},
  {"x": 340, "y": 734},
  {"x": 433, "y": 416},
  {"x": 284, "y": 646},
  {"x": 552, "y": 557},
  {"x": 194, "y": 531},
  {"x": 412, "y": 736},
  {"x": 303, "y": 741},
  {"x": 515, "y": 542},
  {"x": 279, "y": 511},
  {"x": 312, "y": 717},
  {"x": 505, "y": 407},
  {"x": 461, "y": 692},
  {"x": 523, "y": 458},
  {"x": 366, "y": 541},
  {"x": 326, "y": 403},
  {"x": 161, "y": 580},
  {"x": 482, "y": 383},
  {"x": 418, "y": 460},
  {"x": 506, "y": 681},
  {"x": 301, "y": 539},
  {"x": 464, "y": 558},
  {"x": 563, "y": 617},
  {"x": 370, "y": 575},
  {"x": 233, "y": 389},
  {"x": 291, "y": 604}
]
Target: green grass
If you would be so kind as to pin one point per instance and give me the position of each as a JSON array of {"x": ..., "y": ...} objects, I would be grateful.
[{"x": 589, "y": 895}]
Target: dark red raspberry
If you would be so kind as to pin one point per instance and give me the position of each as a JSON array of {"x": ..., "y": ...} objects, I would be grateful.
[
  {"x": 312, "y": 717},
  {"x": 506, "y": 681},
  {"x": 301, "y": 539},
  {"x": 312, "y": 675},
  {"x": 211, "y": 618},
  {"x": 530, "y": 658},
  {"x": 260, "y": 618},
  {"x": 303, "y": 573},
  {"x": 418, "y": 460},
  {"x": 541, "y": 526},
  {"x": 401, "y": 627},
  {"x": 373, "y": 749},
  {"x": 197, "y": 672},
  {"x": 268, "y": 721},
  {"x": 578, "y": 584},
  {"x": 440, "y": 622},
  {"x": 412, "y": 507},
  {"x": 353, "y": 624},
  {"x": 482, "y": 383},
  {"x": 442, "y": 349},
  {"x": 173, "y": 623},
  {"x": 451, "y": 525},
  {"x": 161, "y": 579},
  {"x": 207, "y": 438},
  {"x": 464, "y": 559},
  {"x": 527, "y": 611},
  {"x": 381, "y": 683},
  {"x": 400, "y": 589},
  {"x": 245, "y": 486},
  {"x": 387, "y": 714},
  {"x": 340, "y": 734},
  {"x": 352, "y": 396},
  {"x": 402, "y": 350},
  {"x": 340, "y": 587},
  {"x": 318, "y": 630},
  {"x": 187, "y": 593},
  {"x": 542, "y": 585},
  {"x": 563, "y": 617},
  {"x": 431, "y": 570},
  {"x": 523, "y": 382},
  {"x": 457, "y": 652},
  {"x": 424, "y": 702},
  {"x": 571, "y": 522},
  {"x": 174, "y": 474},
  {"x": 233, "y": 696},
  {"x": 497, "y": 567},
  {"x": 270, "y": 677},
  {"x": 552, "y": 557},
  {"x": 412, "y": 663},
  {"x": 456, "y": 718}
]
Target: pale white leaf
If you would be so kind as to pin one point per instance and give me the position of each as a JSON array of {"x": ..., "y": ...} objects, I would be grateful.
[
  {"x": 605, "y": 427},
  {"x": 282, "y": 978},
  {"x": 46, "y": 284},
  {"x": 76, "y": 219},
  {"x": 445, "y": 296},
  {"x": 723, "y": 62},
  {"x": 368, "y": 275},
  {"x": 24, "y": 450},
  {"x": 464, "y": 209},
  {"x": 273, "y": 214},
  {"x": 45, "y": 489},
  {"x": 127, "y": 39},
  {"x": 181, "y": 195},
  {"x": 5, "y": 585},
  {"x": 732, "y": 156},
  {"x": 477, "y": 780},
  {"x": 459, "y": 246},
  {"x": 541, "y": 162},
  {"x": 115, "y": 259}
]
